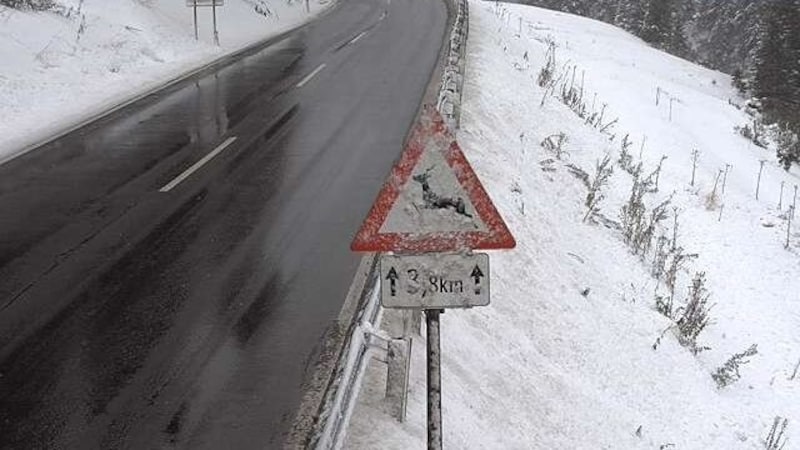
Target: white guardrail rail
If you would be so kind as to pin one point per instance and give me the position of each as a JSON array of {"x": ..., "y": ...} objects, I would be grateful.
[{"x": 364, "y": 330}]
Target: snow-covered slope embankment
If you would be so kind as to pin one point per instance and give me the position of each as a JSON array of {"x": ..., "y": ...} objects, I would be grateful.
[{"x": 564, "y": 356}]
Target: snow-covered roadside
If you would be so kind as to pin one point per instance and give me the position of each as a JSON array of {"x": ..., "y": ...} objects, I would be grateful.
[
  {"x": 546, "y": 367},
  {"x": 56, "y": 71}
]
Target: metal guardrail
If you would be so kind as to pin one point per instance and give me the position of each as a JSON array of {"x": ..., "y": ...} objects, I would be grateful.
[
  {"x": 451, "y": 89},
  {"x": 343, "y": 391}
]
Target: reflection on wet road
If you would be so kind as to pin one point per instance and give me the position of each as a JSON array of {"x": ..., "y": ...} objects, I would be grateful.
[{"x": 137, "y": 316}]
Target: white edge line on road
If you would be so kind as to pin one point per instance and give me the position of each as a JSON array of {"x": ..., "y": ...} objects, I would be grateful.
[
  {"x": 186, "y": 173},
  {"x": 310, "y": 76},
  {"x": 355, "y": 39}
]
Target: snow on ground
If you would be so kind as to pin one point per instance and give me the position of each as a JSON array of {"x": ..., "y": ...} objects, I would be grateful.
[
  {"x": 59, "y": 69},
  {"x": 545, "y": 367}
]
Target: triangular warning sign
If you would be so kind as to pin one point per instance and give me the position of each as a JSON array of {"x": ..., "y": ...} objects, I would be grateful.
[{"x": 432, "y": 200}]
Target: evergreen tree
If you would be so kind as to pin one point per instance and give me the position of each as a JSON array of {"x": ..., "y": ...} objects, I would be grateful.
[
  {"x": 777, "y": 73},
  {"x": 629, "y": 15},
  {"x": 776, "y": 62}
]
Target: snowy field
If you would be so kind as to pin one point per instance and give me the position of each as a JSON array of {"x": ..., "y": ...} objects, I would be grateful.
[
  {"x": 59, "y": 69},
  {"x": 564, "y": 357}
]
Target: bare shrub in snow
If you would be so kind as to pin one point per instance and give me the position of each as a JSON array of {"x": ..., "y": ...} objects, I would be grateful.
[
  {"x": 548, "y": 165},
  {"x": 660, "y": 253},
  {"x": 644, "y": 240},
  {"x": 572, "y": 96},
  {"x": 776, "y": 439},
  {"x": 580, "y": 174},
  {"x": 639, "y": 228},
  {"x": 664, "y": 305},
  {"x": 554, "y": 143},
  {"x": 694, "y": 316},
  {"x": 633, "y": 212},
  {"x": 657, "y": 174},
  {"x": 548, "y": 72},
  {"x": 603, "y": 172},
  {"x": 729, "y": 372},
  {"x": 625, "y": 159},
  {"x": 677, "y": 261}
]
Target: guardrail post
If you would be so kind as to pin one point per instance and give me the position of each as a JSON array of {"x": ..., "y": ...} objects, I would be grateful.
[{"x": 398, "y": 361}]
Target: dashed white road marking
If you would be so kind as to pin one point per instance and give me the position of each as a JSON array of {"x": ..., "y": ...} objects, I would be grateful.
[
  {"x": 358, "y": 36},
  {"x": 186, "y": 173},
  {"x": 310, "y": 76}
]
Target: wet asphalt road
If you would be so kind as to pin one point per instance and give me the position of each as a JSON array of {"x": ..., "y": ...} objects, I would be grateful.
[{"x": 137, "y": 316}]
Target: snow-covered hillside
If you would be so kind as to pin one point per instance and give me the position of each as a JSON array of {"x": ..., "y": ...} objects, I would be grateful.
[
  {"x": 60, "y": 67},
  {"x": 564, "y": 357}
]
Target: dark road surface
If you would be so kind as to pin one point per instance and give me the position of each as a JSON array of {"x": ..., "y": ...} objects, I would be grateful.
[{"x": 167, "y": 272}]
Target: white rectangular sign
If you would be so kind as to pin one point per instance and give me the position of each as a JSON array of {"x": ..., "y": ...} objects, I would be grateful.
[
  {"x": 435, "y": 281},
  {"x": 205, "y": 2}
]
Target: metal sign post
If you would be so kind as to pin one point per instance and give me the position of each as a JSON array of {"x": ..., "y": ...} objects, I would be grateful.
[
  {"x": 196, "y": 31},
  {"x": 432, "y": 213},
  {"x": 434, "y": 379},
  {"x": 214, "y": 15},
  {"x": 194, "y": 4}
]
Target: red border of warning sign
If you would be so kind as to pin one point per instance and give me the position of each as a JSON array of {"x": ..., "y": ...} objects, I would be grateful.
[{"x": 370, "y": 239}]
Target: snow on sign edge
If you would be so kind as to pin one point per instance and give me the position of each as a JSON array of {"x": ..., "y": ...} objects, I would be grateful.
[{"x": 431, "y": 129}]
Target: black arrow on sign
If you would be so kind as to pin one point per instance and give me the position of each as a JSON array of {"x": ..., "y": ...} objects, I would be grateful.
[
  {"x": 476, "y": 276},
  {"x": 392, "y": 277}
]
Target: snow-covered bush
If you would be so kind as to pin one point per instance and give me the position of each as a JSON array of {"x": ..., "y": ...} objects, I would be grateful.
[
  {"x": 548, "y": 72},
  {"x": 633, "y": 212},
  {"x": 694, "y": 316},
  {"x": 677, "y": 261},
  {"x": 625, "y": 158},
  {"x": 554, "y": 143},
  {"x": 639, "y": 228},
  {"x": 729, "y": 372},
  {"x": 657, "y": 174},
  {"x": 603, "y": 172},
  {"x": 776, "y": 439},
  {"x": 660, "y": 254}
]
